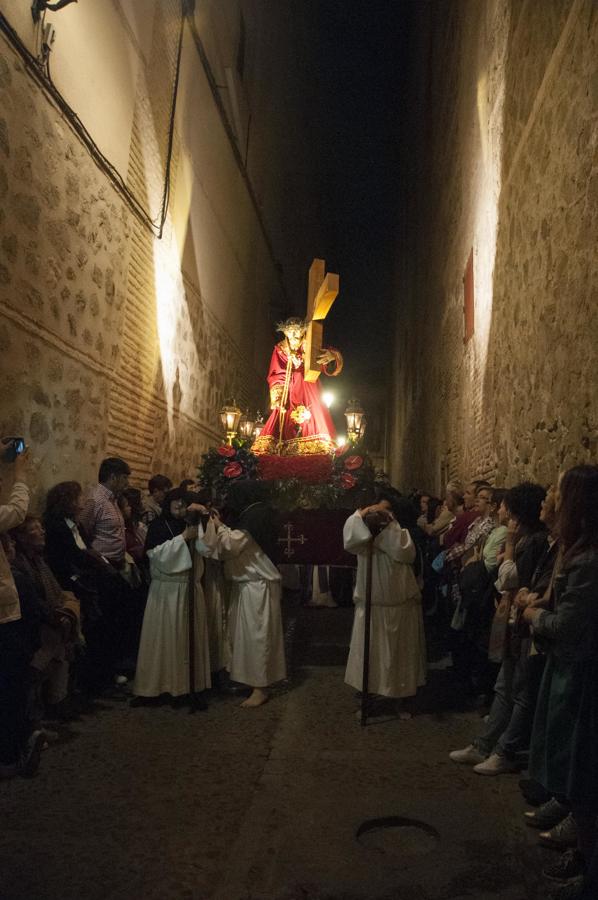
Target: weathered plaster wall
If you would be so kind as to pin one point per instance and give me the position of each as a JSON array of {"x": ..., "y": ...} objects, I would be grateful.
[
  {"x": 112, "y": 341},
  {"x": 507, "y": 132}
]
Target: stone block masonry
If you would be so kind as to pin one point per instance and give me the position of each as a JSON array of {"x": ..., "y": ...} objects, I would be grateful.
[
  {"x": 64, "y": 236},
  {"x": 85, "y": 366},
  {"x": 508, "y": 167}
]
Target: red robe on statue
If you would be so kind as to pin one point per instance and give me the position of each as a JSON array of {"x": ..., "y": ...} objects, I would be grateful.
[{"x": 306, "y": 423}]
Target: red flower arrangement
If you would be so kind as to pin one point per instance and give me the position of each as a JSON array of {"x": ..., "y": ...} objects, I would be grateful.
[
  {"x": 225, "y": 450},
  {"x": 232, "y": 470},
  {"x": 313, "y": 468},
  {"x": 353, "y": 462},
  {"x": 348, "y": 481}
]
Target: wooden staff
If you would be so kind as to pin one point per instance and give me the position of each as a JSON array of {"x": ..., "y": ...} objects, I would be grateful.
[
  {"x": 366, "y": 635},
  {"x": 191, "y": 621}
]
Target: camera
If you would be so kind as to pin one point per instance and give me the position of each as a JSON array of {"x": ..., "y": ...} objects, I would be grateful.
[{"x": 13, "y": 447}]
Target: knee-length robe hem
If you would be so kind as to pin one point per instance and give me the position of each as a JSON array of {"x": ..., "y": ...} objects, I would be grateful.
[
  {"x": 254, "y": 617},
  {"x": 163, "y": 660},
  {"x": 397, "y": 640}
]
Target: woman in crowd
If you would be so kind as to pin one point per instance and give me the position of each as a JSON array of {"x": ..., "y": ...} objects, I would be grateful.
[
  {"x": 130, "y": 502},
  {"x": 58, "y": 616},
  {"x": 163, "y": 659},
  {"x": 67, "y": 552},
  {"x": 446, "y": 512},
  {"x": 476, "y": 593},
  {"x": 507, "y": 732},
  {"x": 465, "y": 514},
  {"x": 495, "y": 542},
  {"x": 564, "y": 747},
  {"x": 20, "y": 743},
  {"x": 135, "y": 572}
]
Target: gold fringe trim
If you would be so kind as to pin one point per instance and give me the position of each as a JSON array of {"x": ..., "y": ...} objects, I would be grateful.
[{"x": 301, "y": 446}]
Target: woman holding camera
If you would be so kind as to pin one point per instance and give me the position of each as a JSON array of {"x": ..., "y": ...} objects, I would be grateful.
[{"x": 163, "y": 660}]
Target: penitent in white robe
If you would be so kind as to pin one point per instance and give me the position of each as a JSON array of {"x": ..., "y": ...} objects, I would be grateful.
[
  {"x": 163, "y": 660},
  {"x": 397, "y": 640},
  {"x": 254, "y": 618},
  {"x": 216, "y": 595}
]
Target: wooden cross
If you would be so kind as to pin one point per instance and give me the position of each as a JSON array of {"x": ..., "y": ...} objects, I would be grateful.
[
  {"x": 289, "y": 540},
  {"x": 322, "y": 289}
]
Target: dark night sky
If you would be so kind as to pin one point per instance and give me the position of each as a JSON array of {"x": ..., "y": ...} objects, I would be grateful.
[{"x": 361, "y": 90}]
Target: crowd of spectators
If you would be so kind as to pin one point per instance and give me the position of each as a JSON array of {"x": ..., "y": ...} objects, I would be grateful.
[
  {"x": 510, "y": 587},
  {"x": 73, "y": 587},
  {"x": 509, "y": 580}
]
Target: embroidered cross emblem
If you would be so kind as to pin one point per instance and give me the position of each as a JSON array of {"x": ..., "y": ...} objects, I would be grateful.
[{"x": 289, "y": 540}]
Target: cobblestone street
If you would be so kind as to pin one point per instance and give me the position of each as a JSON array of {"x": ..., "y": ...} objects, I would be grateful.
[{"x": 234, "y": 804}]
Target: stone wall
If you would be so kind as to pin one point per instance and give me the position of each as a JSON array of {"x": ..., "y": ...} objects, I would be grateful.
[
  {"x": 506, "y": 133},
  {"x": 112, "y": 341}
]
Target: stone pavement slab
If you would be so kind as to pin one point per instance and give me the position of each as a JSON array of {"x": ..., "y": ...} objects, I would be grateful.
[{"x": 232, "y": 804}]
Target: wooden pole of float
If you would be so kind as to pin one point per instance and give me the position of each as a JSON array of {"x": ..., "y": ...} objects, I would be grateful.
[
  {"x": 191, "y": 622},
  {"x": 365, "y": 683}
]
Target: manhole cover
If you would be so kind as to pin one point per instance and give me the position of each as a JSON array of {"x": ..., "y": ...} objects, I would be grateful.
[{"x": 397, "y": 836}]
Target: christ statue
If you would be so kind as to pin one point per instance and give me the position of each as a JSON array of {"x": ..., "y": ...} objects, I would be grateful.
[{"x": 299, "y": 421}]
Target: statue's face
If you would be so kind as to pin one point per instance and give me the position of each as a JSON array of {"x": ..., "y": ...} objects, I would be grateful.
[{"x": 294, "y": 335}]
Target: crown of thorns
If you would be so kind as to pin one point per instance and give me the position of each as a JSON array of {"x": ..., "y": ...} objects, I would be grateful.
[{"x": 293, "y": 322}]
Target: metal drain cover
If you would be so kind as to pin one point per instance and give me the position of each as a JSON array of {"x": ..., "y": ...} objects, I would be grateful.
[{"x": 397, "y": 836}]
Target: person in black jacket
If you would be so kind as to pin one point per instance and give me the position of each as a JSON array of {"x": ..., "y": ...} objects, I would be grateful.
[
  {"x": 67, "y": 552},
  {"x": 83, "y": 571}
]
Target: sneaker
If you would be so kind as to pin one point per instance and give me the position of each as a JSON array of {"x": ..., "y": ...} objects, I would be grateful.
[
  {"x": 495, "y": 765},
  {"x": 570, "y": 865},
  {"x": 546, "y": 816},
  {"x": 470, "y": 756},
  {"x": 29, "y": 762},
  {"x": 561, "y": 836}
]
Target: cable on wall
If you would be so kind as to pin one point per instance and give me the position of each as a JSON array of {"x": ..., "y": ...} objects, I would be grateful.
[{"x": 41, "y": 72}]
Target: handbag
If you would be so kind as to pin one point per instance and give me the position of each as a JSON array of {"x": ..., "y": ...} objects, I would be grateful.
[
  {"x": 499, "y": 631},
  {"x": 438, "y": 562},
  {"x": 131, "y": 573}
]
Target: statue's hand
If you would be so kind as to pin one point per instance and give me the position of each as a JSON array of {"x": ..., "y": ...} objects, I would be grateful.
[{"x": 325, "y": 357}]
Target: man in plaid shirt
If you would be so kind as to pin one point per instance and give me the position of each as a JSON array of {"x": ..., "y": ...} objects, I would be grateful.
[
  {"x": 101, "y": 518},
  {"x": 104, "y": 528}
]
